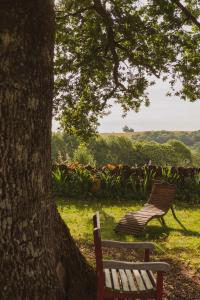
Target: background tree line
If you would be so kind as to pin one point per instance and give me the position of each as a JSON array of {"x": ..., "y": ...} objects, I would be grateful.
[
  {"x": 138, "y": 150},
  {"x": 190, "y": 138}
]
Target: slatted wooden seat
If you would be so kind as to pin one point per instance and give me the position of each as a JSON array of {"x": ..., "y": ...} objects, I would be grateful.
[
  {"x": 126, "y": 280},
  {"x": 130, "y": 281},
  {"x": 160, "y": 201}
]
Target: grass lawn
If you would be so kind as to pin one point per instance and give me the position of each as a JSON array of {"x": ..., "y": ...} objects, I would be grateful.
[{"x": 181, "y": 248}]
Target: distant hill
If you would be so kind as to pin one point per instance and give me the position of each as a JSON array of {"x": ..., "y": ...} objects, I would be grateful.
[
  {"x": 190, "y": 138},
  {"x": 127, "y": 134}
]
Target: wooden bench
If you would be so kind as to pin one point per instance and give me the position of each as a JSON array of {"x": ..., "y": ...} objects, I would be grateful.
[
  {"x": 126, "y": 280},
  {"x": 160, "y": 201}
]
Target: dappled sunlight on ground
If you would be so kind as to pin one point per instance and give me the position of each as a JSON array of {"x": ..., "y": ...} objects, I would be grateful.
[{"x": 175, "y": 245}]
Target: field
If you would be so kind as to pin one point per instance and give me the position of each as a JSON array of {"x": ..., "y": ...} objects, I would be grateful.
[
  {"x": 179, "y": 247},
  {"x": 126, "y": 134},
  {"x": 136, "y": 134}
]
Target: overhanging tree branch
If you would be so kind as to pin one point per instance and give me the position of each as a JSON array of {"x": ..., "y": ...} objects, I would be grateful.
[
  {"x": 111, "y": 39},
  {"x": 109, "y": 34},
  {"x": 74, "y": 14},
  {"x": 187, "y": 13},
  {"x": 132, "y": 59}
]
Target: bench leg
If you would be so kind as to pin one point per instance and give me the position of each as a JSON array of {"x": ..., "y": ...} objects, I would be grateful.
[
  {"x": 177, "y": 220},
  {"x": 159, "y": 286},
  {"x": 163, "y": 222}
]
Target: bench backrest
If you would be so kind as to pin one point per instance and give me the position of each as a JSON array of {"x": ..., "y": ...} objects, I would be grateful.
[
  {"x": 98, "y": 251},
  {"x": 162, "y": 195}
]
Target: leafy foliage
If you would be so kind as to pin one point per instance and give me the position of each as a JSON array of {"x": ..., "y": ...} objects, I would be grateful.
[
  {"x": 114, "y": 49},
  {"x": 59, "y": 181},
  {"x": 122, "y": 182},
  {"x": 64, "y": 144},
  {"x": 122, "y": 150},
  {"x": 196, "y": 158},
  {"x": 83, "y": 156},
  {"x": 71, "y": 181},
  {"x": 190, "y": 138},
  {"x": 159, "y": 154},
  {"x": 182, "y": 152},
  {"x": 127, "y": 129}
]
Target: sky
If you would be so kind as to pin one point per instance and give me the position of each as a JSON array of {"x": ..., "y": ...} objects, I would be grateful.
[{"x": 164, "y": 113}]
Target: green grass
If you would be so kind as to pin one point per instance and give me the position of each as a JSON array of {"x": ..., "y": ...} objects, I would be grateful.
[{"x": 174, "y": 242}]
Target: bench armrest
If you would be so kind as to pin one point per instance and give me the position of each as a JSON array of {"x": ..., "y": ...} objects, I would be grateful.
[
  {"x": 151, "y": 266},
  {"x": 127, "y": 245}
]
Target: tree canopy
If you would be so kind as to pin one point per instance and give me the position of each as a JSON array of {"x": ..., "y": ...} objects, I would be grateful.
[
  {"x": 102, "y": 150},
  {"x": 115, "y": 50},
  {"x": 127, "y": 129}
]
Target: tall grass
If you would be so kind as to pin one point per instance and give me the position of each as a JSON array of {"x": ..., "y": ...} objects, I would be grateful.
[{"x": 122, "y": 182}]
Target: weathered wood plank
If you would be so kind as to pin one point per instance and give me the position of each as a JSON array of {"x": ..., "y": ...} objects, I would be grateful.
[
  {"x": 108, "y": 280},
  {"x": 138, "y": 278},
  {"x": 148, "y": 211},
  {"x": 124, "y": 280},
  {"x": 131, "y": 281},
  {"x": 146, "y": 279},
  {"x": 127, "y": 245},
  {"x": 152, "y": 277},
  {"x": 144, "y": 215},
  {"x": 153, "y": 266},
  {"x": 115, "y": 278},
  {"x": 140, "y": 220}
]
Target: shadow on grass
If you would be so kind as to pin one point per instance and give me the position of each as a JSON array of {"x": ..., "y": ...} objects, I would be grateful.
[
  {"x": 108, "y": 223},
  {"x": 156, "y": 232},
  {"x": 93, "y": 202},
  {"x": 181, "y": 282},
  {"x": 96, "y": 203},
  {"x": 151, "y": 232}
]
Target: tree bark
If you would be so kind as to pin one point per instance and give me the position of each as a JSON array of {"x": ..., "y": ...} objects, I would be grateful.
[{"x": 39, "y": 259}]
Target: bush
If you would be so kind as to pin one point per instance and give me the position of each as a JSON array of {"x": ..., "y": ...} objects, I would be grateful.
[
  {"x": 183, "y": 153},
  {"x": 74, "y": 181},
  {"x": 157, "y": 154},
  {"x": 63, "y": 145},
  {"x": 122, "y": 182},
  {"x": 99, "y": 149},
  {"x": 196, "y": 158},
  {"x": 83, "y": 156},
  {"x": 120, "y": 150}
]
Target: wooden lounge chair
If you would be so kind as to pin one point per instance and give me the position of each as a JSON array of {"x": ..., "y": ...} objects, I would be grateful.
[
  {"x": 126, "y": 280},
  {"x": 160, "y": 201}
]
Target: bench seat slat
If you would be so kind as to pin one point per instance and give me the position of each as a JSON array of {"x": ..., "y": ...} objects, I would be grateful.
[
  {"x": 141, "y": 286},
  {"x": 124, "y": 280},
  {"x": 115, "y": 278},
  {"x": 108, "y": 281},
  {"x": 131, "y": 281},
  {"x": 152, "y": 278},
  {"x": 146, "y": 279}
]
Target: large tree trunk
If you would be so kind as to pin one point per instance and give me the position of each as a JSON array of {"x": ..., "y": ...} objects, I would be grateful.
[{"x": 38, "y": 257}]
